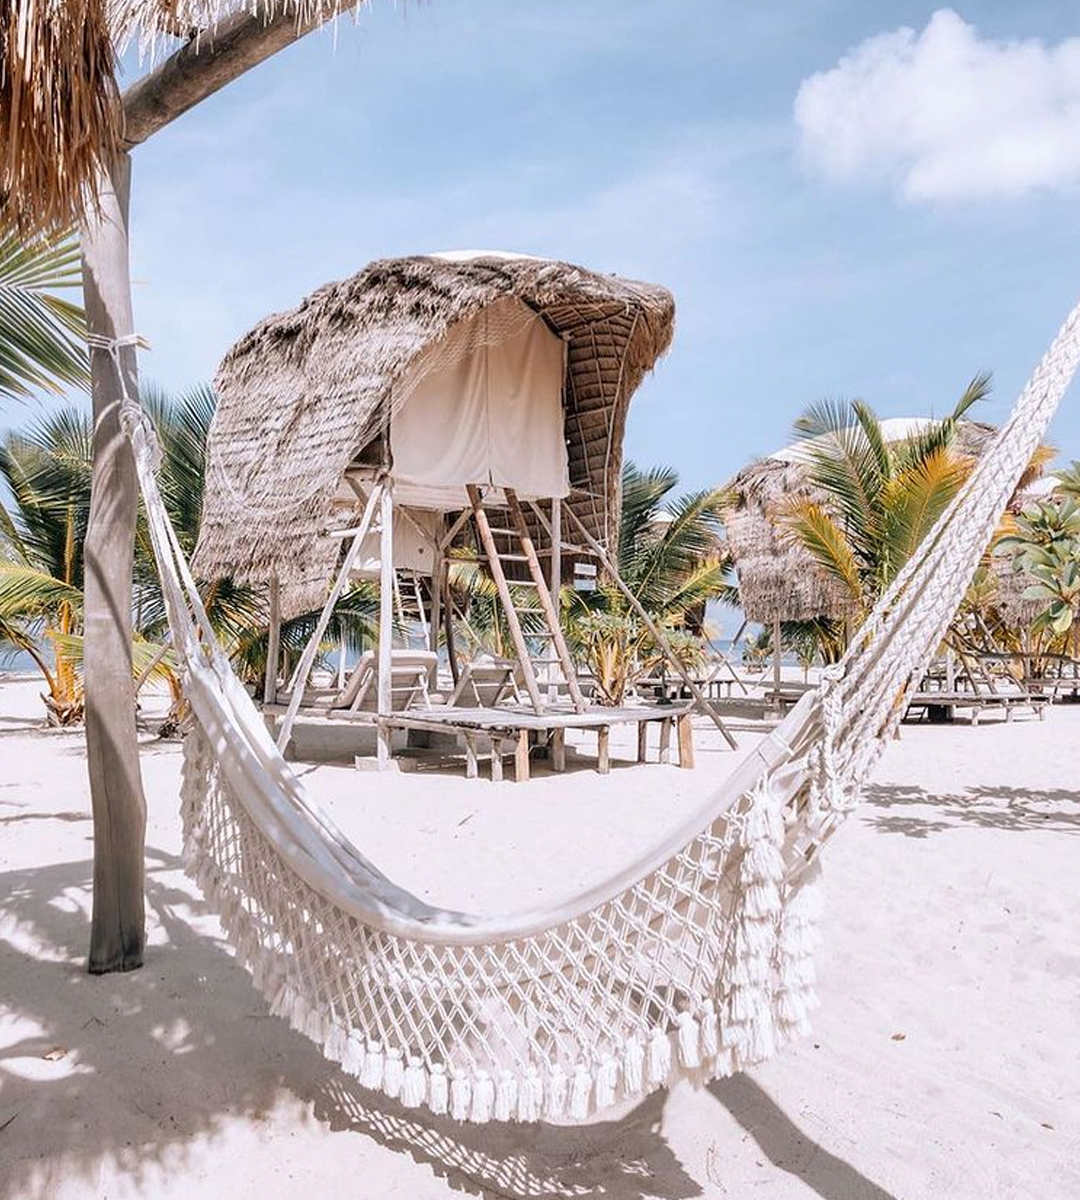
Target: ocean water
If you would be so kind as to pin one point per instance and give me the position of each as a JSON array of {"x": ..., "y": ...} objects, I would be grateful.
[{"x": 16, "y": 663}]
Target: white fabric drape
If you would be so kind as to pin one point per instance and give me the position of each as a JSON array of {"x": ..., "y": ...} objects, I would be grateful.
[{"x": 487, "y": 411}]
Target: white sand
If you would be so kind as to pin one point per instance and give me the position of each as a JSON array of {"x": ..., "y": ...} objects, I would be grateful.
[{"x": 945, "y": 1060}]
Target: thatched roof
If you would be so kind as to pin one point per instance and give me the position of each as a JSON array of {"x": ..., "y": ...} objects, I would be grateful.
[
  {"x": 303, "y": 392},
  {"x": 779, "y": 579},
  {"x": 60, "y": 112}
]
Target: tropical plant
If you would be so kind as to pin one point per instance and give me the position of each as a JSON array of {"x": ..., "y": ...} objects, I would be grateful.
[
  {"x": 669, "y": 557},
  {"x": 46, "y": 470},
  {"x": 878, "y": 499},
  {"x": 41, "y": 333},
  {"x": 1046, "y": 548}
]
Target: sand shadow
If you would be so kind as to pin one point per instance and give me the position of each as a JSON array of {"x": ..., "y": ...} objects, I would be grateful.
[
  {"x": 1011, "y": 809},
  {"x": 82, "y": 1083},
  {"x": 787, "y": 1147}
]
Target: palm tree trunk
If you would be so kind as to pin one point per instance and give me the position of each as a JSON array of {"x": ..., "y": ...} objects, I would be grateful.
[{"x": 118, "y": 926}]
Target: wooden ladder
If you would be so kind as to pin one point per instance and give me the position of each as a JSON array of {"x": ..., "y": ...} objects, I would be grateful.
[{"x": 545, "y": 605}]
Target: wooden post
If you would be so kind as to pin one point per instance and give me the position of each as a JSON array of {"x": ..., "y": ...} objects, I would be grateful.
[
  {"x": 642, "y": 741},
  {"x": 496, "y": 758},
  {"x": 685, "y": 731},
  {"x": 384, "y": 683},
  {"x": 603, "y": 749},
  {"x": 435, "y": 616},
  {"x": 117, "y": 932},
  {"x": 777, "y": 672},
  {"x": 521, "y": 757},
  {"x": 651, "y": 626},
  {"x": 273, "y": 643},
  {"x": 558, "y": 750},
  {"x": 555, "y": 568},
  {"x": 664, "y": 753}
]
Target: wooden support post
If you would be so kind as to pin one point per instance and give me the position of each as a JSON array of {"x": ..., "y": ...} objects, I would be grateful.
[
  {"x": 603, "y": 749},
  {"x": 502, "y": 587},
  {"x": 435, "y": 622},
  {"x": 558, "y": 750},
  {"x": 521, "y": 757},
  {"x": 651, "y": 626},
  {"x": 642, "y": 741},
  {"x": 471, "y": 768},
  {"x": 555, "y": 580},
  {"x": 777, "y": 672},
  {"x": 384, "y": 682},
  {"x": 273, "y": 642},
  {"x": 665, "y": 740},
  {"x": 118, "y": 923},
  {"x": 686, "y": 741},
  {"x": 448, "y": 624},
  {"x": 496, "y": 759}
]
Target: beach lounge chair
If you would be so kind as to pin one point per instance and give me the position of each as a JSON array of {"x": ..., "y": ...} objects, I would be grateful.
[
  {"x": 485, "y": 683},
  {"x": 410, "y": 672}
]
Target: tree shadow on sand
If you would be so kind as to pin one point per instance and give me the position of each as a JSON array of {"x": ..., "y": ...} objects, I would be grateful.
[
  {"x": 81, "y": 1083},
  {"x": 127, "y": 1072},
  {"x": 1006, "y": 808}
]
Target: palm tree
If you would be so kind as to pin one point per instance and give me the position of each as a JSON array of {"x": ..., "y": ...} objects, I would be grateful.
[
  {"x": 670, "y": 558},
  {"x": 878, "y": 500},
  {"x": 47, "y": 472}
]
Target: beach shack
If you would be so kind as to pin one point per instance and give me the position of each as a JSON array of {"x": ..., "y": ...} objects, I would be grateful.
[{"x": 393, "y": 423}]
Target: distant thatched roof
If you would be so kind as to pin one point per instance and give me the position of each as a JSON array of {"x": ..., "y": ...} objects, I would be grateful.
[
  {"x": 298, "y": 396},
  {"x": 779, "y": 579}
]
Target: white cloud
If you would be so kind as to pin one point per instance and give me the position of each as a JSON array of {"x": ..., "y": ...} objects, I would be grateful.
[{"x": 946, "y": 114}]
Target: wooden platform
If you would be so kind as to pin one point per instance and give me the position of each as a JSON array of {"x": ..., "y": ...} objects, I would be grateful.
[
  {"x": 495, "y": 732},
  {"x": 1006, "y": 702}
]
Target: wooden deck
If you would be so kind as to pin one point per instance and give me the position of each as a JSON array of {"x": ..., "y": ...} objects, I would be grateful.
[{"x": 496, "y": 732}]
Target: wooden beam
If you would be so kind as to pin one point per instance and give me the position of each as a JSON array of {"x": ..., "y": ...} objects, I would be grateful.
[
  {"x": 117, "y": 930},
  {"x": 384, "y": 679},
  {"x": 204, "y": 66}
]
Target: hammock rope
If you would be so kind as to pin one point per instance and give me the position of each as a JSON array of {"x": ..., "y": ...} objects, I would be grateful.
[{"x": 695, "y": 961}]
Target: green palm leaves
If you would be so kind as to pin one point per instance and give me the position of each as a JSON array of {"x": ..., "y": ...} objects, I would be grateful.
[
  {"x": 41, "y": 333},
  {"x": 670, "y": 557},
  {"x": 875, "y": 499}
]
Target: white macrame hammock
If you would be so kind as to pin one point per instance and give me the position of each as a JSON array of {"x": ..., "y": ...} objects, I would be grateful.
[{"x": 697, "y": 962}]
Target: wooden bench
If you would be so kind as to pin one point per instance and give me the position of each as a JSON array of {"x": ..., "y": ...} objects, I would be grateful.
[{"x": 949, "y": 702}]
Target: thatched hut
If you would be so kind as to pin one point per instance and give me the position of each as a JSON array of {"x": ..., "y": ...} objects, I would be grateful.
[
  {"x": 779, "y": 580},
  {"x": 303, "y": 397},
  {"x": 426, "y": 397}
]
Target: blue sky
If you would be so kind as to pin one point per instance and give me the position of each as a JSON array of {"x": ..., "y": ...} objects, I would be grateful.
[{"x": 870, "y": 235}]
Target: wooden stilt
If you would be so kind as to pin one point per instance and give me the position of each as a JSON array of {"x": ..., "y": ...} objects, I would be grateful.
[
  {"x": 642, "y": 741},
  {"x": 686, "y": 741},
  {"x": 777, "y": 666},
  {"x": 603, "y": 749},
  {"x": 384, "y": 682},
  {"x": 496, "y": 760},
  {"x": 664, "y": 755},
  {"x": 521, "y": 757},
  {"x": 558, "y": 750},
  {"x": 273, "y": 642},
  {"x": 471, "y": 767}
]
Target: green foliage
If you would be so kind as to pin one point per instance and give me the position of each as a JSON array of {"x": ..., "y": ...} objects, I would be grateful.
[
  {"x": 880, "y": 499},
  {"x": 41, "y": 333},
  {"x": 670, "y": 559},
  {"x": 1046, "y": 548}
]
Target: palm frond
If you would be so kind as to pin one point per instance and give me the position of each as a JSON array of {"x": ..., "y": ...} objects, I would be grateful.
[
  {"x": 41, "y": 334},
  {"x": 813, "y": 528}
]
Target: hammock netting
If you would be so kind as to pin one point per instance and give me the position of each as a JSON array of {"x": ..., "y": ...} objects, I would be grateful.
[{"x": 696, "y": 962}]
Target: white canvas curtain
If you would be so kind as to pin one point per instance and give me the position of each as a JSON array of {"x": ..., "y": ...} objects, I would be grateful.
[{"x": 483, "y": 407}]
